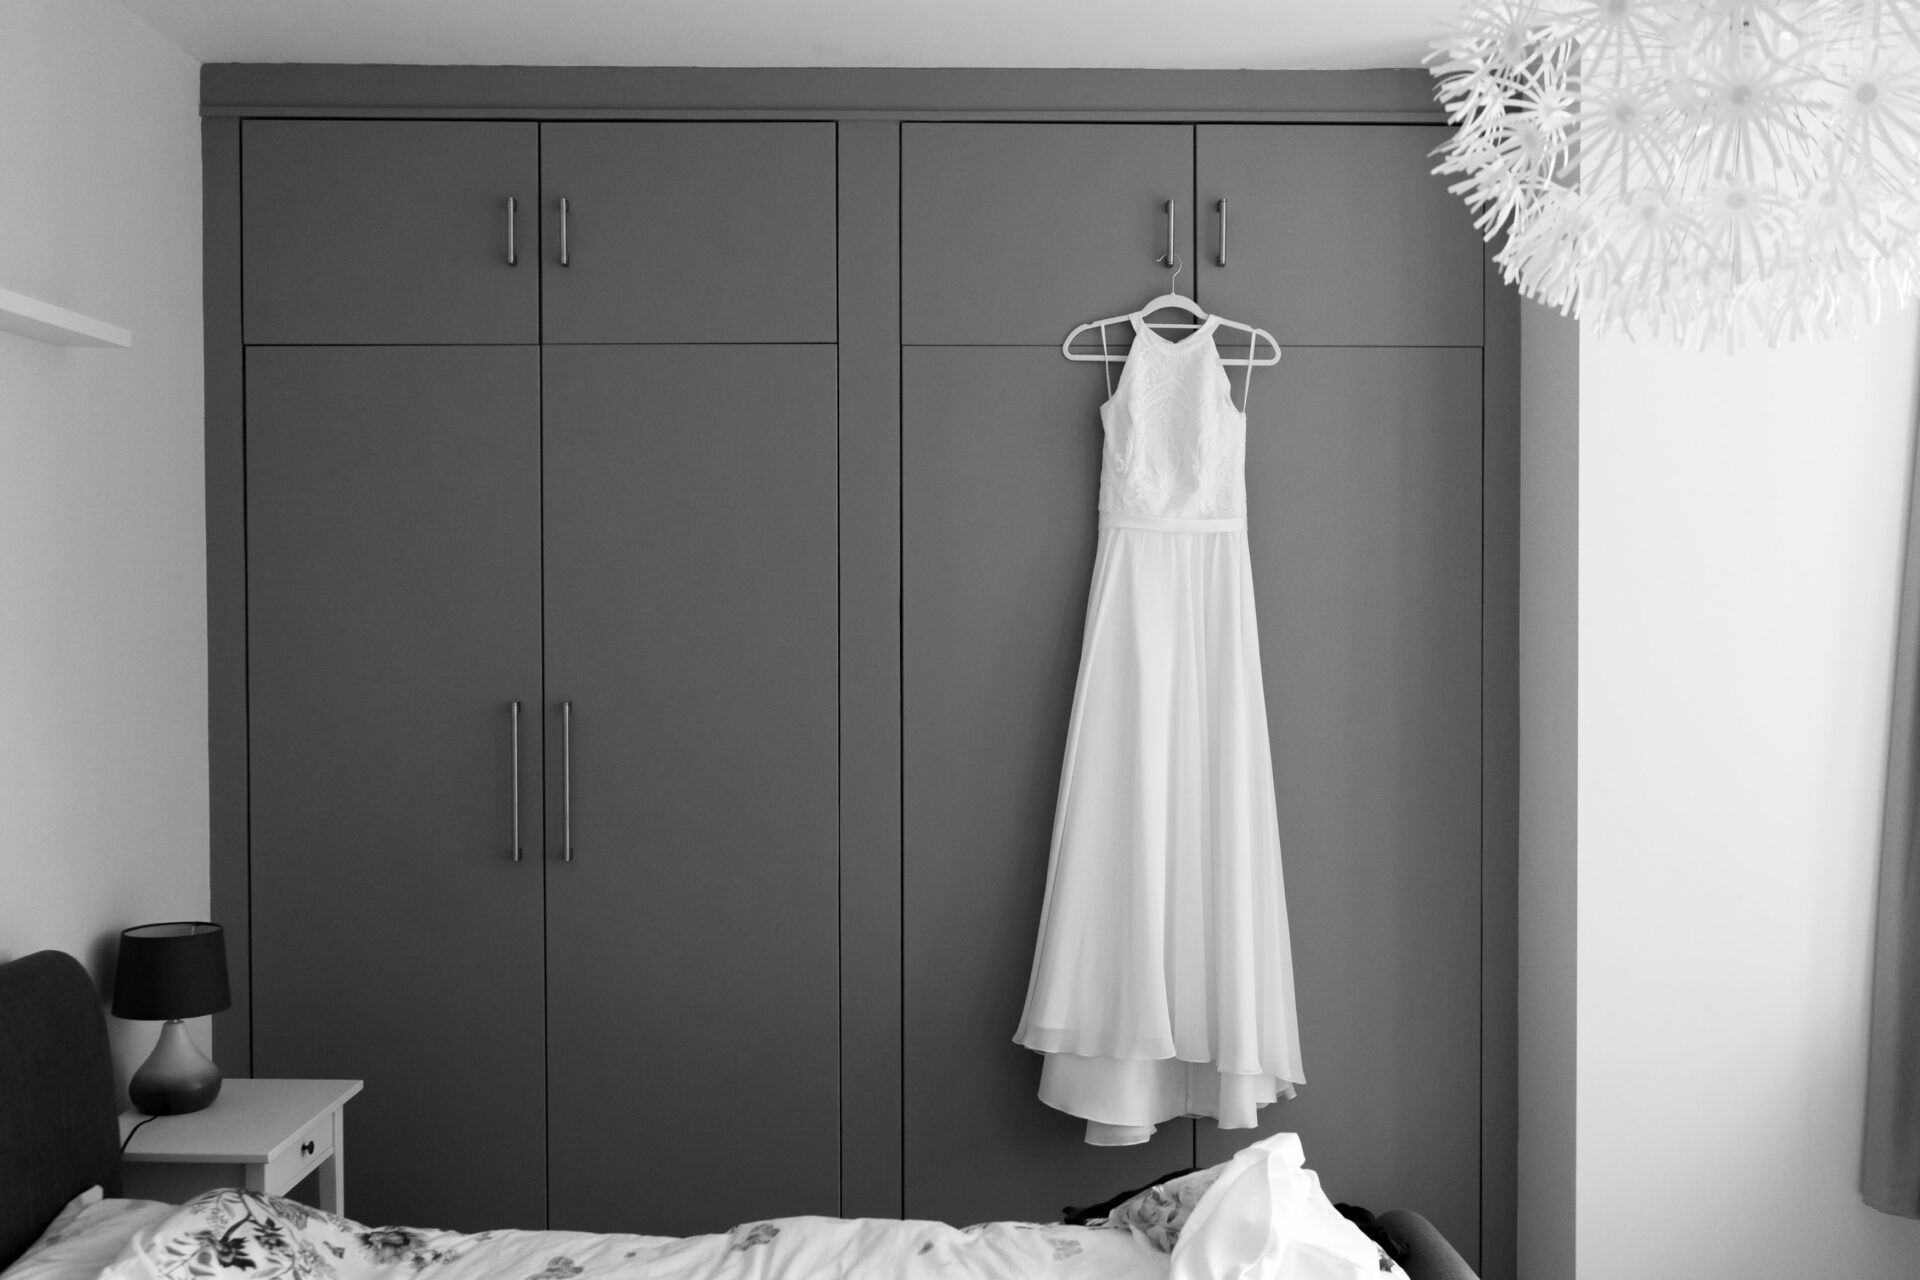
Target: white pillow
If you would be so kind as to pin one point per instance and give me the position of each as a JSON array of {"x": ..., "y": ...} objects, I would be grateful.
[
  {"x": 85, "y": 1237},
  {"x": 1266, "y": 1218}
]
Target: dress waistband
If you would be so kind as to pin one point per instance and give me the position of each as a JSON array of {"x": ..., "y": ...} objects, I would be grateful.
[{"x": 1169, "y": 524}]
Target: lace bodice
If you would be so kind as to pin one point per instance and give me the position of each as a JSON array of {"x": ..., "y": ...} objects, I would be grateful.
[{"x": 1176, "y": 446}]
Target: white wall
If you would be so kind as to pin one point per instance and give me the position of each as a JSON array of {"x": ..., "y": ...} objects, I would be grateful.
[
  {"x": 103, "y": 709},
  {"x": 1740, "y": 526}
]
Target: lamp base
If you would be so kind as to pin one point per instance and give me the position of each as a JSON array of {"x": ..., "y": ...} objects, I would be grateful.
[{"x": 176, "y": 1077}]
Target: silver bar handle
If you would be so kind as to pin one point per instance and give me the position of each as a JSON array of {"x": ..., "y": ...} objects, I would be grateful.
[
  {"x": 563, "y": 231},
  {"x": 1223, "y": 231},
  {"x": 513, "y": 246},
  {"x": 516, "y": 780},
  {"x": 566, "y": 779},
  {"x": 1173, "y": 257}
]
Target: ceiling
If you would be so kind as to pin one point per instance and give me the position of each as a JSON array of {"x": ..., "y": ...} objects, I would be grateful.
[{"x": 786, "y": 33}]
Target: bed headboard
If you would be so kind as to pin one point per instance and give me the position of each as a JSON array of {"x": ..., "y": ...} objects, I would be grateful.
[{"x": 58, "y": 1129}]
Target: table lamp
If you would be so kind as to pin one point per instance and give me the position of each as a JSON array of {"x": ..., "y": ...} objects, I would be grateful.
[{"x": 169, "y": 972}]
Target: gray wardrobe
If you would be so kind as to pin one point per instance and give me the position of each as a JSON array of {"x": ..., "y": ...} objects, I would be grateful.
[
  {"x": 541, "y": 652},
  {"x": 1364, "y": 482},
  {"x": 654, "y": 626}
]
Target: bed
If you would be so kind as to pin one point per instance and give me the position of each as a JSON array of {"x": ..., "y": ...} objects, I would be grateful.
[{"x": 59, "y": 1140}]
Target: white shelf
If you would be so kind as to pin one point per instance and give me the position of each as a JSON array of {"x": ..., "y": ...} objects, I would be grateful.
[{"x": 42, "y": 320}]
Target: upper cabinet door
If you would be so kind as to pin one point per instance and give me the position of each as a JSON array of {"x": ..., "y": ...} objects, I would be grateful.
[
  {"x": 689, "y": 232},
  {"x": 1011, "y": 234},
  {"x": 1338, "y": 235},
  {"x": 390, "y": 231}
]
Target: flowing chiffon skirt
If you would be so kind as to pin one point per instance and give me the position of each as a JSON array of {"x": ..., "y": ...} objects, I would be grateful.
[{"x": 1162, "y": 981}]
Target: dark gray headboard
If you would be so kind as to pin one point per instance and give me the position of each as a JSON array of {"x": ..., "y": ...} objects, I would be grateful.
[{"x": 58, "y": 1132}]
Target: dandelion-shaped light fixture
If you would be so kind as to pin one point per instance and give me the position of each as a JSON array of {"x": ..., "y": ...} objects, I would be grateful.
[{"x": 1699, "y": 169}]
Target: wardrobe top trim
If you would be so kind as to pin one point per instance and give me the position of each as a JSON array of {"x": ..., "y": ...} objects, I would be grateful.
[
  {"x": 562, "y": 115},
  {"x": 1391, "y": 95}
]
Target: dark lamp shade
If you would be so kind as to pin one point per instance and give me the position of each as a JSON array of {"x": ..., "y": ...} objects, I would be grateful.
[{"x": 172, "y": 970}]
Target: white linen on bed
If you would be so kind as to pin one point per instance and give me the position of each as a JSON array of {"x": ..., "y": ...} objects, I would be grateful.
[
  {"x": 84, "y": 1237},
  {"x": 1263, "y": 1217},
  {"x": 243, "y": 1235}
]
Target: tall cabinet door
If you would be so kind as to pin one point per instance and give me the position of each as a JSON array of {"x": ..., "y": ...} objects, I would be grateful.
[
  {"x": 393, "y": 602},
  {"x": 692, "y": 945},
  {"x": 689, "y": 231},
  {"x": 390, "y": 231},
  {"x": 1000, "y": 461}
]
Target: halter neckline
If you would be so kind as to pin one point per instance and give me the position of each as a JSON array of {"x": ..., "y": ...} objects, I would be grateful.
[{"x": 1141, "y": 326}]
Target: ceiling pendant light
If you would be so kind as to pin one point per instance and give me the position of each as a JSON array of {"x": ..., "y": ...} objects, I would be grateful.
[{"x": 1700, "y": 170}]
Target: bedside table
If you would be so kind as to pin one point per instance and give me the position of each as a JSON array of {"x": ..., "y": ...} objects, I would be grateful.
[{"x": 264, "y": 1135}]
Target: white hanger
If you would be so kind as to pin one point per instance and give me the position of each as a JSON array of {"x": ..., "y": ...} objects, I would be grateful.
[
  {"x": 1175, "y": 301},
  {"x": 1162, "y": 303}
]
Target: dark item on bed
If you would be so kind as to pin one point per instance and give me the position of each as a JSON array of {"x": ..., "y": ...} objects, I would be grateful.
[
  {"x": 1390, "y": 1244},
  {"x": 59, "y": 1133},
  {"x": 1407, "y": 1239},
  {"x": 1073, "y": 1217},
  {"x": 1426, "y": 1253}
]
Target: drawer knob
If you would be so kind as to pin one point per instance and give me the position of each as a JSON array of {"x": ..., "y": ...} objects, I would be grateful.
[{"x": 306, "y": 1148}]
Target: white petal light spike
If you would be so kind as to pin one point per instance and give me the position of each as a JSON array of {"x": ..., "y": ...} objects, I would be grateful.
[{"x": 1700, "y": 170}]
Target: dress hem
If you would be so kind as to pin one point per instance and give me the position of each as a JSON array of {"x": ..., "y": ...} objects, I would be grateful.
[{"x": 1122, "y": 1099}]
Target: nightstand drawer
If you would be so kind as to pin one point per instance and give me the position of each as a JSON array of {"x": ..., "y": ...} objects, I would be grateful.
[{"x": 309, "y": 1147}]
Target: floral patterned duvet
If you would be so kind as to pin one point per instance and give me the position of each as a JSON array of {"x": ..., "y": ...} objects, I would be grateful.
[{"x": 244, "y": 1235}]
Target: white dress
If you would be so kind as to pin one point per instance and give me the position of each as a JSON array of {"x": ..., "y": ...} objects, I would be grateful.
[{"x": 1163, "y": 977}]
